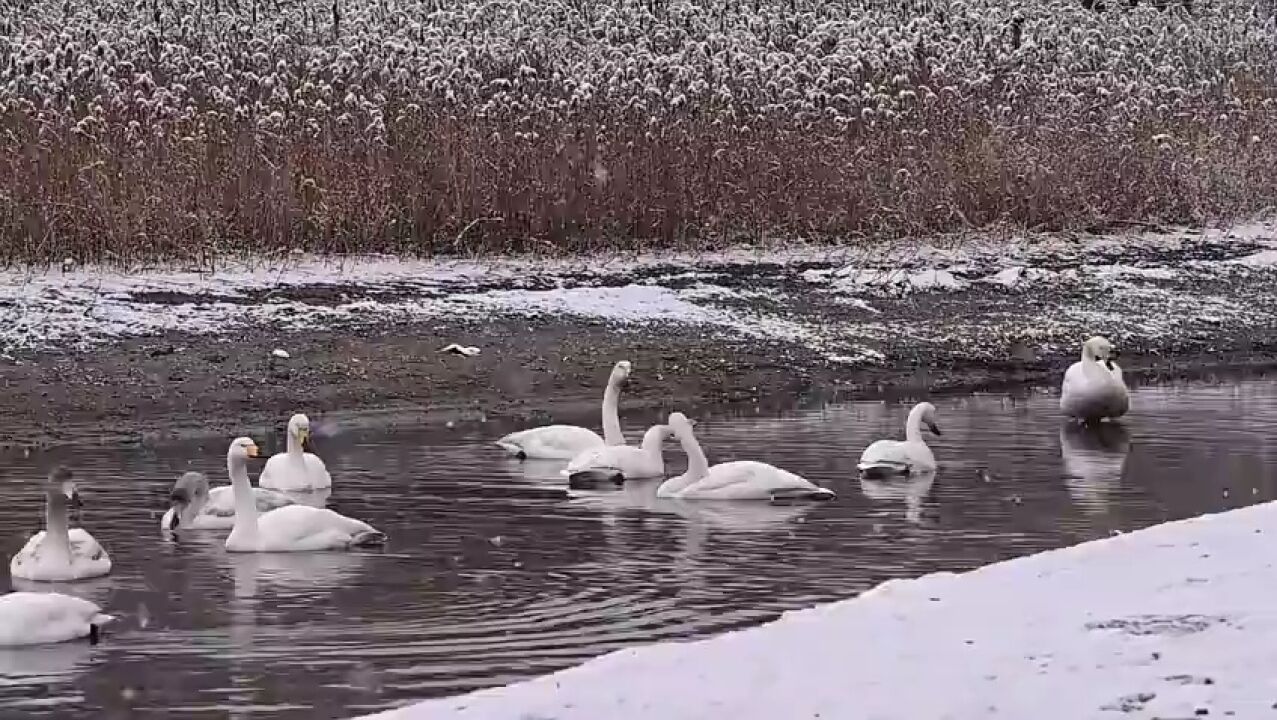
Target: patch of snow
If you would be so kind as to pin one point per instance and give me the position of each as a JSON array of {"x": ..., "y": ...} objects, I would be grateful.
[
  {"x": 894, "y": 281},
  {"x": 1261, "y": 259},
  {"x": 1018, "y": 277},
  {"x": 1164, "y": 622}
]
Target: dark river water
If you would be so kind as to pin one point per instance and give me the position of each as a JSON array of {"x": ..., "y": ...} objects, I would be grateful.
[{"x": 494, "y": 573}]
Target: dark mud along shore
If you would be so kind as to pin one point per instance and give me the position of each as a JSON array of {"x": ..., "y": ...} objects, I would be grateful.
[{"x": 537, "y": 368}]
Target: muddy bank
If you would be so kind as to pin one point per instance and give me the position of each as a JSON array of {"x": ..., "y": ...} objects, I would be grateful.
[
  {"x": 144, "y": 391},
  {"x": 98, "y": 356}
]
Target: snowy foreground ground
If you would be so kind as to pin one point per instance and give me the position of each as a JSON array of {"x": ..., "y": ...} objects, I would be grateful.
[{"x": 1176, "y": 621}]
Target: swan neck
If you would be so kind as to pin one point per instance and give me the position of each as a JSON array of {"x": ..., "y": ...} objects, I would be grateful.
[
  {"x": 611, "y": 419},
  {"x": 653, "y": 439},
  {"x": 56, "y": 525},
  {"x": 242, "y": 489},
  {"x": 913, "y": 425},
  {"x": 697, "y": 465}
]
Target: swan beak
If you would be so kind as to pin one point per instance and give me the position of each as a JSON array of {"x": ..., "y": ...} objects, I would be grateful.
[
  {"x": 178, "y": 509},
  {"x": 303, "y": 435},
  {"x": 252, "y": 452},
  {"x": 1108, "y": 362},
  {"x": 74, "y": 497},
  {"x": 934, "y": 428}
]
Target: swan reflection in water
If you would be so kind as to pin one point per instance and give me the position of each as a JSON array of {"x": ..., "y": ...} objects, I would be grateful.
[
  {"x": 1094, "y": 458},
  {"x": 736, "y": 516},
  {"x": 913, "y": 490}
]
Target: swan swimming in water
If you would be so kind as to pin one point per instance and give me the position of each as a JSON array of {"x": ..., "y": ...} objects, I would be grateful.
[
  {"x": 37, "y": 618},
  {"x": 295, "y": 469},
  {"x": 735, "y": 480},
  {"x": 291, "y": 528},
  {"x": 564, "y": 442},
  {"x": 618, "y": 463},
  {"x": 60, "y": 553},
  {"x": 196, "y": 507},
  {"x": 885, "y": 458},
  {"x": 1093, "y": 387}
]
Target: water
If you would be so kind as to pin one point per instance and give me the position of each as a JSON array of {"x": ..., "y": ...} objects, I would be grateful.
[{"x": 494, "y": 574}]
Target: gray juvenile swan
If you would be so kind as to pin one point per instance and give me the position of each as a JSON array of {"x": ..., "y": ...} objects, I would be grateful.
[
  {"x": 195, "y": 506},
  {"x": 60, "y": 553},
  {"x": 1093, "y": 387}
]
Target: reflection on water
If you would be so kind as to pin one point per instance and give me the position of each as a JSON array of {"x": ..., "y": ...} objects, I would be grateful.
[
  {"x": 495, "y": 571},
  {"x": 1093, "y": 459}
]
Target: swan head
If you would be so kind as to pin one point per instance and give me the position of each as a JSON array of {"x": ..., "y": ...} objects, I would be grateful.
[
  {"x": 242, "y": 448},
  {"x": 679, "y": 424},
  {"x": 1099, "y": 348},
  {"x": 299, "y": 428},
  {"x": 621, "y": 371},
  {"x": 927, "y": 414},
  {"x": 62, "y": 483},
  {"x": 190, "y": 489}
]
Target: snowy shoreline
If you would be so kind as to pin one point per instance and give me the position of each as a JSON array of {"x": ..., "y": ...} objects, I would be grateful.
[
  {"x": 840, "y": 302},
  {"x": 1172, "y": 621}
]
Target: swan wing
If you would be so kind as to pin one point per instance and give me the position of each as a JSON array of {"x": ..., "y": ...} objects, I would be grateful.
[
  {"x": 300, "y": 527},
  {"x": 221, "y": 501},
  {"x": 24, "y": 565},
  {"x": 552, "y": 442},
  {"x": 630, "y": 460},
  {"x": 32, "y": 618},
  {"x": 317, "y": 471},
  {"x": 751, "y": 480},
  {"x": 888, "y": 455}
]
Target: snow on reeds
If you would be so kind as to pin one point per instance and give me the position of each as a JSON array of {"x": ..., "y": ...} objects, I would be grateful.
[{"x": 189, "y": 129}]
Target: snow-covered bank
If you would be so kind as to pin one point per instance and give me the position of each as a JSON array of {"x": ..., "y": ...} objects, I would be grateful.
[
  {"x": 1176, "y": 621},
  {"x": 845, "y": 304}
]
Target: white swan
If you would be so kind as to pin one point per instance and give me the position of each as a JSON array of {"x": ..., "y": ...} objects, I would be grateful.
[
  {"x": 35, "y": 618},
  {"x": 911, "y": 456},
  {"x": 195, "y": 506},
  {"x": 1093, "y": 387},
  {"x": 291, "y": 528},
  {"x": 60, "y": 553},
  {"x": 296, "y": 469},
  {"x": 736, "y": 480},
  {"x": 618, "y": 463},
  {"x": 564, "y": 442}
]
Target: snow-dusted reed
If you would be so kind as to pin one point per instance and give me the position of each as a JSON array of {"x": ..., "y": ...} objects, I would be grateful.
[{"x": 188, "y": 129}]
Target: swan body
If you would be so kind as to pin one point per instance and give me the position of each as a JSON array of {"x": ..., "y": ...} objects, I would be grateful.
[
  {"x": 291, "y": 528},
  {"x": 1093, "y": 387},
  {"x": 60, "y": 553},
  {"x": 295, "y": 469},
  {"x": 36, "y": 618},
  {"x": 618, "y": 463},
  {"x": 735, "y": 480},
  {"x": 887, "y": 458},
  {"x": 564, "y": 442},
  {"x": 196, "y": 507}
]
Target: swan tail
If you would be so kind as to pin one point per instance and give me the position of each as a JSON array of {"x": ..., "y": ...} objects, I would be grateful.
[
  {"x": 368, "y": 538},
  {"x": 95, "y": 627},
  {"x": 511, "y": 448},
  {"x": 593, "y": 478},
  {"x": 878, "y": 470},
  {"x": 792, "y": 494}
]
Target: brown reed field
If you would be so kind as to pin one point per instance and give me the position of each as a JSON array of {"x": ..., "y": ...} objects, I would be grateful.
[{"x": 184, "y": 130}]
